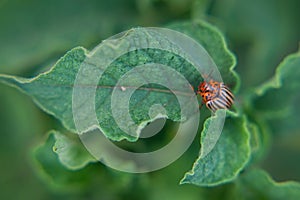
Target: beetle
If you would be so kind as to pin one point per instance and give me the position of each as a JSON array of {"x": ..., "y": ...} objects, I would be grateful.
[{"x": 215, "y": 95}]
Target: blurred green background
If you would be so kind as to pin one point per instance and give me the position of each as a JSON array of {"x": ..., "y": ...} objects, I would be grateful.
[{"x": 35, "y": 34}]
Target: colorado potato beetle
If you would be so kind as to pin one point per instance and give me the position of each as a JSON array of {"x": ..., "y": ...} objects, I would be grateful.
[{"x": 215, "y": 95}]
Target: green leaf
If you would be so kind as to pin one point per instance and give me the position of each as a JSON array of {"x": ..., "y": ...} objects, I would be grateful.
[
  {"x": 257, "y": 184},
  {"x": 71, "y": 152},
  {"x": 277, "y": 92},
  {"x": 260, "y": 141},
  {"x": 214, "y": 43},
  {"x": 228, "y": 157},
  {"x": 94, "y": 178},
  {"x": 253, "y": 184},
  {"x": 52, "y": 171},
  {"x": 277, "y": 100},
  {"x": 52, "y": 90}
]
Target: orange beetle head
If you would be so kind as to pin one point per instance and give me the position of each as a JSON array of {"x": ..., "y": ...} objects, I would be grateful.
[{"x": 208, "y": 90}]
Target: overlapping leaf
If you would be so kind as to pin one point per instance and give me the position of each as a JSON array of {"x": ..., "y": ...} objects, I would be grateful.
[
  {"x": 52, "y": 90},
  {"x": 59, "y": 178},
  {"x": 228, "y": 157},
  {"x": 71, "y": 152},
  {"x": 277, "y": 99},
  {"x": 257, "y": 184}
]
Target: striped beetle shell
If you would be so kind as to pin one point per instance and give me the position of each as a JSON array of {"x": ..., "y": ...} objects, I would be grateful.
[{"x": 215, "y": 95}]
